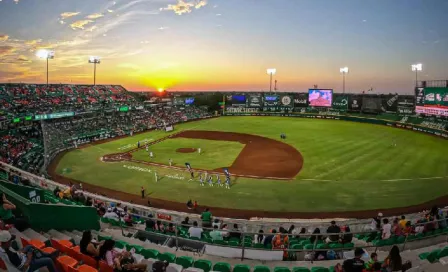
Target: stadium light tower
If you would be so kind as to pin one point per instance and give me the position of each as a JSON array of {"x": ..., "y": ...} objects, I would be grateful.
[
  {"x": 343, "y": 71},
  {"x": 95, "y": 61},
  {"x": 271, "y": 72},
  {"x": 416, "y": 68},
  {"x": 45, "y": 54}
]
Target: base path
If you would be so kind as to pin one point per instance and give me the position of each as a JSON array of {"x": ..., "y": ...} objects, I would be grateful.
[{"x": 186, "y": 150}]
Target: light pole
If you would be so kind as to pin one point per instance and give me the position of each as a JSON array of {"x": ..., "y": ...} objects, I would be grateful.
[
  {"x": 45, "y": 54},
  {"x": 271, "y": 72},
  {"x": 95, "y": 61},
  {"x": 416, "y": 67},
  {"x": 343, "y": 71}
]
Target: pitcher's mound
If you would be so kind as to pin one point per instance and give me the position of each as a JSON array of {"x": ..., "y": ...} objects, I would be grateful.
[{"x": 186, "y": 150}]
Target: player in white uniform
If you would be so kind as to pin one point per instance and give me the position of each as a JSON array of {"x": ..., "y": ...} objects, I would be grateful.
[
  {"x": 218, "y": 180},
  {"x": 170, "y": 161},
  {"x": 151, "y": 155},
  {"x": 147, "y": 148},
  {"x": 199, "y": 151},
  {"x": 210, "y": 180},
  {"x": 227, "y": 182},
  {"x": 201, "y": 180}
]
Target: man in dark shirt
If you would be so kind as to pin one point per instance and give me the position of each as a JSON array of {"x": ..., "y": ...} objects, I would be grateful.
[
  {"x": 269, "y": 238},
  {"x": 355, "y": 264},
  {"x": 333, "y": 228}
]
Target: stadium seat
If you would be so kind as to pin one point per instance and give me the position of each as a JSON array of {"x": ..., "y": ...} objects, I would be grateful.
[
  {"x": 222, "y": 267},
  {"x": 205, "y": 265},
  {"x": 261, "y": 268},
  {"x": 82, "y": 268},
  {"x": 149, "y": 253},
  {"x": 300, "y": 269},
  {"x": 172, "y": 267},
  {"x": 319, "y": 269},
  {"x": 65, "y": 262},
  {"x": 349, "y": 246},
  {"x": 120, "y": 244},
  {"x": 89, "y": 260},
  {"x": 169, "y": 257},
  {"x": 443, "y": 253},
  {"x": 281, "y": 269},
  {"x": 137, "y": 248},
  {"x": 241, "y": 268},
  {"x": 185, "y": 261}
]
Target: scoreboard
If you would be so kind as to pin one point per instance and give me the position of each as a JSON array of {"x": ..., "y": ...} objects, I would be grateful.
[{"x": 431, "y": 100}]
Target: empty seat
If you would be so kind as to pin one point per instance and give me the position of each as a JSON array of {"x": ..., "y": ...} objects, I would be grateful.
[
  {"x": 205, "y": 265},
  {"x": 222, "y": 267},
  {"x": 185, "y": 261}
]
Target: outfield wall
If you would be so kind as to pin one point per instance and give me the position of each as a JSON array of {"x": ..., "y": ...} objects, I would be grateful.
[{"x": 333, "y": 116}]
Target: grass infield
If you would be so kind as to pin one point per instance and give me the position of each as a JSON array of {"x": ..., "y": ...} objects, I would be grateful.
[{"x": 348, "y": 166}]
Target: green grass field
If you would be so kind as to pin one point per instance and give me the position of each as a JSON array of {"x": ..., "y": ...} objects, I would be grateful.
[
  {"x": 211, "y": 156},
  {"x": 347, "y": 166}
]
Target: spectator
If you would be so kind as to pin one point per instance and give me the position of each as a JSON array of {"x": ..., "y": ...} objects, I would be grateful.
[
  {"x": 291, "y": 229},
  {"x": 314, "y": 237},
  {"x": 268, "y": 240},
  {"x": 393, "y": 261},
  {"x": 386, "y": 230},
  {"x": 195, "y": 231},
  {"x": 215, "y": 234},
  {"x": 403, "y": 222},
  {"x": 259, "y": 237},
  {"x": 107, "y": 252},
  {"x": 370, "y": 265},
  {"x": 396, "y": 228},
  {"x": 27, "y": 259},
  {"x": 171, "y": 228},
  {"x": 190, "y": 204},
  {"x": 225, "y": 231},
  {"x": 408, "y": 229},
  {"x": 186, "y": 222},
  {"x": 217, "y": 223},
  {"x": 280, "y": 241},
  {"x": 159, "y": 226},
  {"x": 206, "y": 217},
  {"x": 356, "y": 264},
  {"x": 348, "y": 236},
  {"x": 56, "y": 192},
  {"x": 160, "y": 266},
  {"x": 111, "y": 215},
  {"x": 376, "y": 223},
  {"x": 88, "y": 247},
  {"x": 236, "y": 233},
  {"x": 301, "y": 233},
  {"x": 7, "y": 216},
  {"x": 150, "y": 224},
  {"x": 333, "y": 228}
]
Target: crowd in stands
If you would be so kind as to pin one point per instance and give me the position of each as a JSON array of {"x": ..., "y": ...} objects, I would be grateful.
[{"x": 40, "y": 99}]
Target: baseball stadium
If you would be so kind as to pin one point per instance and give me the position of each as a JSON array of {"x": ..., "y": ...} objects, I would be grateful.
[{"x": 223, "y": 136}]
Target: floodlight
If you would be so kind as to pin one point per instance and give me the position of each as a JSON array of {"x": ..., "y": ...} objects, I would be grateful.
[
  {"x": 343, "y": 70},
  {"x": 94, "y": 59},
  {"x": 417, "y": 67},
  {"x": 45, "y": 54},
  {"x": 271, "y": 71}
]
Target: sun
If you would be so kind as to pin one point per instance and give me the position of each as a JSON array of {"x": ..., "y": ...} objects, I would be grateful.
[{"x": 160, "y": 90}]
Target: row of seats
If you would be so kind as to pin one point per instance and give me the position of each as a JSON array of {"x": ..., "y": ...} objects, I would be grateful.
[{"x": 434, "y": 255}]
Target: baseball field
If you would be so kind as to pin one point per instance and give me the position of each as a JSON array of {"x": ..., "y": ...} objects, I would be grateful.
[{"x": 322, "y": 168}]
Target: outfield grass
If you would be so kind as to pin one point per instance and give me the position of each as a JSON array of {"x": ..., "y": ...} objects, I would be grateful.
[
  {"x": 211, "y": 156},
  {"x": 347, "y": 166}
]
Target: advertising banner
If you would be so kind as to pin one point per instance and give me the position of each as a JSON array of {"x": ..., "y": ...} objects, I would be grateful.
[
  {"x": 320, "y": 98},
  {"x": 371, "y": 104},
  {"x": 301, "y": 100},
  {"x": 354, "y": 102},
  {"x": 238, "y": 100},
  {"x": 286, "y": 101},
  {"x": 389, "y": 103},
  {"x": 271, "y": 100},
  {"x": 340, "y": 102},
  {"x": 255, "y": 101}
]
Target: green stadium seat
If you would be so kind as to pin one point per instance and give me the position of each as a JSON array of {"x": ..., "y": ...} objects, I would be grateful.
[
  {"x": 308, "y": 247},
  {"x": 443, "y": 253},
  {"x": 261, "y": 268},
  {"x": 281, "y": 269},
  {"x": 103, "y": 238},
  {"x": 137, "y": 248},
  {"x": 222, "y": 267},
  {"x": 324, "y": 246},
  {"x": 120, "y": 244},
  {"x": 207, "y": 240},
  {"x": 258, "y": 246},
  {"x": 298, "y": 246},
  {"x": 169, "y": 257},
  {"x": 234, "y": 243},
  {"x": 305, "y": 242},
  {"x": 319, "y": 269},
  {"x": 300, "y": 269},
  {"x": 241, "y": 268},
  {"x": 424, "y": 255},
  {"x": 149, "y": 253},
  {"x": 401, "y": 239},
  {"x": 349, "y": 246},
  {"x": 220, "y": 242},
  {"x": 205, "y": 265},
  {"x": 433, "y": 256},
  {"x": 185, "y": 261}
]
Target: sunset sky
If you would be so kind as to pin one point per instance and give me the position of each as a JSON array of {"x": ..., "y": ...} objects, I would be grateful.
[{"x": 226, "y": 44}]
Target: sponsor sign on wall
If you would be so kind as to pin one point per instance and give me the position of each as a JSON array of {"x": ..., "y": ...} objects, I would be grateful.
[
  {"x": 301, "y": 100},
  {"x": 355, "y": 103},
  {"x": 340, "y": 102},
  {"x": 389, "y": 103},
  {"x": 286, "y": 101},
  {"x": 255, "y": 101}
]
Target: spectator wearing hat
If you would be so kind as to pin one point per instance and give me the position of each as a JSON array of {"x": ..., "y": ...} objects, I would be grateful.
[{"x": 27, "y": 259}]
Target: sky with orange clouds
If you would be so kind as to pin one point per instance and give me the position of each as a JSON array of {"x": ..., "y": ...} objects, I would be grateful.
[{"x": 226, "y": 45}]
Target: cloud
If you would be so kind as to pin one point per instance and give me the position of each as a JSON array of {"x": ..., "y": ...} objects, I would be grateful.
[
  {"x": 61, "y": 22},
  {"x": 66, "y": 15},
  {"x": 183, "y": 6},
  {"x": 95, "y": 16},
  {"x": 3, "y": 38},
  {"x": 6, "y": 50},
  {"x": 80, "y": 24},
  {"x": 33, "y": 42},
  {"x": 144, "y": 42},
  {"x": 129, "y": 66},
  {"x": 92, "y": 28},
  {"x": 23, "y": 58},
  {"x": 162, "y": 28},
  {"x": 218, "y": 14},
  {"x": 110, "y": 11}
]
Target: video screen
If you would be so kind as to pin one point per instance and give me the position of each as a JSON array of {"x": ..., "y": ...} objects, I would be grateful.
[
  {"x": 320, "y": 98},
  {"x": 271, "y": 98},
  {"x": 189, "y": 101}
]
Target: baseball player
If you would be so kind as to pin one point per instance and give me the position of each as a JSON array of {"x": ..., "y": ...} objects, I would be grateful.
[
  {"x": 147, "y": 148},
  {"x": 191, "y": 175},
  {"x": 151, "y": 155},
  {"x": 170, "y": 161},
  {"x": 138, "y": 144},
  {"x": 227, "y": 182},
  {"x": 201, "y": 180},
  {"x": 210, "y": 180},
  {"x": 156, "y": 177},
  {"x": 218, "y": 180},
  {"x": 199, "y": 151}
]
